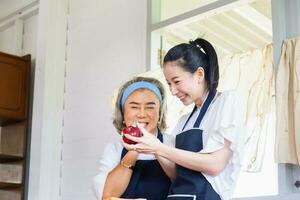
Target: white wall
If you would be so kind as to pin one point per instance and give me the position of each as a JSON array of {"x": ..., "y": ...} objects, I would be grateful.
[
  {"x": 6, "y": 37},
  {"x": 28, "y": 37},
  {"x": 106, "y": 46}
]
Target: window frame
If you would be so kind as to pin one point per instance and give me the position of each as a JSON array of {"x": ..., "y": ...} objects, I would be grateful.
[{"x": 286, "y": 172}]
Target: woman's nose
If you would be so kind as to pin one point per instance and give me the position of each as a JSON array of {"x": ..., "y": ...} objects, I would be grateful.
[
  {"x": 173, "y": 90},
  {"x": 142, "y": 113}
]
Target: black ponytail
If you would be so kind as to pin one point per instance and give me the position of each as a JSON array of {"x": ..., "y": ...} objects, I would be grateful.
[
  {"x": 197, "y": 53},
  {"x": 212, "y": 70}
]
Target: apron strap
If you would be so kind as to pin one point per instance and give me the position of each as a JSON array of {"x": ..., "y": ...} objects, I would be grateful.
[
  {"x": 203, "y": 110},
  {"x": 194, "y": 109}
]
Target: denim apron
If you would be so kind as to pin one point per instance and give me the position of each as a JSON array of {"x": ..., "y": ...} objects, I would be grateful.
[
  {"x": 148, "y": 179},
  {"x": 190, "y": 184}
]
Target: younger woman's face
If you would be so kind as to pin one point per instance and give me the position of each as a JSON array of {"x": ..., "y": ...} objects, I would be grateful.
[
  {"x": 184, "y": 85},
  {"x": 142, "y": 106}
]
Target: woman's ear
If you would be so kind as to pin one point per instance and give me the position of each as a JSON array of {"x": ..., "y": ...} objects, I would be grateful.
[{"x": 200, "y": 75}]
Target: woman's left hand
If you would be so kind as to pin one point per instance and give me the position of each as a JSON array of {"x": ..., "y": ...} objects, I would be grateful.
[{"x": 148, "y": 143}]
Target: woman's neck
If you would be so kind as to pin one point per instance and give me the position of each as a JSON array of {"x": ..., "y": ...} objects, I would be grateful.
[
  {"x": 155, "y": 132},
  {"x": 201, "y": 98}
]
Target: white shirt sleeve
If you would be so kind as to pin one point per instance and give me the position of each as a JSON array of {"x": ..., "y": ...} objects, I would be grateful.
[
  {"x": 225, "y": 121},
  {"x": 109, "y": 160}
]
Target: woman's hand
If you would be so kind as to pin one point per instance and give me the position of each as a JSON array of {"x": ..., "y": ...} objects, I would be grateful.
[
  {"x": 148, "y": 143},
  {"x": 129, "y": 147}
]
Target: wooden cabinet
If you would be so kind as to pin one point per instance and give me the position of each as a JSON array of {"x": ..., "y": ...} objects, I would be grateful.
[
  {"x": 14, "y": 84},
  {"x": 14, "y": 98}
]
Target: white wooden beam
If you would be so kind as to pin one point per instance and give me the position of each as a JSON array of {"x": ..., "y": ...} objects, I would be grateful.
[
  {"x": 231, "y": 34},
  {"x": 185, "y": 34},
  {"x": 13, "y": 7},
  {"x": 255, "y": 17},
  {"x": 173, "y": 39},
  {"x": 253, "y": 33},
  {"x": 198, "y": 14},
  {"x": 22, "y": 13},
  {"x": 218, "y": 38}
]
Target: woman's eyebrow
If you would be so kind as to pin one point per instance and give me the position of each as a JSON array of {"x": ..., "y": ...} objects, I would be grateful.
[
  {"x": 151, "y": 103},
  {"x": 175, "y": 77},
  {"x": 134, "y": 103}
]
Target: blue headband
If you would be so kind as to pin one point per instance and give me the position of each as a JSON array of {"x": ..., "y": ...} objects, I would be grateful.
[{"x": 139, "y": 85}]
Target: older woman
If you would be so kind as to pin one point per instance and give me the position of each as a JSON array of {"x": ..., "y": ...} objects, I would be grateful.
[{"x": 127, "y": 173}]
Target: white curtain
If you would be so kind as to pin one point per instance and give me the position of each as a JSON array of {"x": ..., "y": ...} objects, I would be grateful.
[
  {"x": 252, "y": 75},
  {"x": 288, "y": 104}
]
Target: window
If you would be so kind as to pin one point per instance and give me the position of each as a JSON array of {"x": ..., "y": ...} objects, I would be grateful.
[{"x": 173, "y": 24}]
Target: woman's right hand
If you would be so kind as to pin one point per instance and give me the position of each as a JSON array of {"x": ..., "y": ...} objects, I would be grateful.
[
  {"x": 128, "y": 147},
  {"x": 148, "y": 143}
]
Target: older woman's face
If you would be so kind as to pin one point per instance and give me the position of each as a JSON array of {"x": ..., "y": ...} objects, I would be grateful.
[{"x": 142, "y": 106}]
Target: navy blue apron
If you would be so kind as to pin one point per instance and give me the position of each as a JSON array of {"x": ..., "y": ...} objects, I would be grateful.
[
  {"x": 148, "y": 180},
  {"x": 190, "y": 184}
]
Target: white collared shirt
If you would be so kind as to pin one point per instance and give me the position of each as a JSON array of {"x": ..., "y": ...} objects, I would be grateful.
[{"x": 223, "y": 120}]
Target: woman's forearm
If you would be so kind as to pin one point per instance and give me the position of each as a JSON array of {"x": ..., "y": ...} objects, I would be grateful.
[
  {"x": 118, "y": 179},
  {"x": 168, "y": 166},
  {"x": 209, "y": 163}
]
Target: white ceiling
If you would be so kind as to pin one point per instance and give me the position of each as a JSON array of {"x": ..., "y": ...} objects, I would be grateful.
[{"x": 236, "y": 30}]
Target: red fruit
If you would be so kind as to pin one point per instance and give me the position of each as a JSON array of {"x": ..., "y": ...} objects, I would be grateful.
[{"x": 131, "y": 130}]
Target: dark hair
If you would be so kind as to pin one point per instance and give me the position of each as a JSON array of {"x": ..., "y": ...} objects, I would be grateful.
[
  {"x": 197, "y": 53},
  {"x": 119, "y": 116}
]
